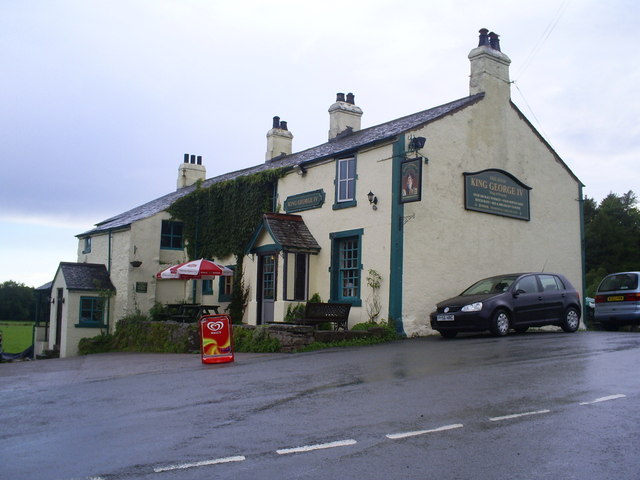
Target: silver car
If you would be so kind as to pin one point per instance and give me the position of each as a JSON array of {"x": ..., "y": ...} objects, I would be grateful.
[{"x": 618, "y": 300}]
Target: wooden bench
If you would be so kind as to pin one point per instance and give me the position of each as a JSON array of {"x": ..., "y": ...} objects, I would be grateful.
[{"x": 316, "y": 313}]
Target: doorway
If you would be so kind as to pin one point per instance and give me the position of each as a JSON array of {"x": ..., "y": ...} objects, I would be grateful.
[{"x": 267, "y": 287}]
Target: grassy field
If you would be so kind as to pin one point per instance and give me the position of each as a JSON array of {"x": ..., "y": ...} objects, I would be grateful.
[{"x": 16, "y": 336}]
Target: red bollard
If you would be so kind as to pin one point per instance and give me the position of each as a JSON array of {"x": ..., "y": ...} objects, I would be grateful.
[{"x": 216, "y": 339}]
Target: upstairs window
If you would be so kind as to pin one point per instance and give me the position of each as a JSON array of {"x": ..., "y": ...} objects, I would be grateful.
[
  {"x": 87, "y": 245},
  {"x": 345, "y": 183},
  {"x": 171, "y": 235}
]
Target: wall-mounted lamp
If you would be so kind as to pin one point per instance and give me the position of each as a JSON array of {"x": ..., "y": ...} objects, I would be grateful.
[
  {"x": 373, "y": 200},
  {"x": 416, "y": 144},
  {"x": 300, "y": 170}
]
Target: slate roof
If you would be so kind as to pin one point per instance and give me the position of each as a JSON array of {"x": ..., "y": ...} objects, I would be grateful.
[
  {"x": 290, "y": 232},
  {"x": 335, "y": 147},
  {"x": 86, "y": 276}
]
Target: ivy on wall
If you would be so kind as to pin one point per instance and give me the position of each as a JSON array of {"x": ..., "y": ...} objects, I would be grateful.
[{"x": 219, "y": 220}]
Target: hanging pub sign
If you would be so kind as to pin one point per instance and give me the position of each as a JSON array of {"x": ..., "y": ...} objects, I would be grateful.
[
  {"x": 496, "y": 192},
  {"x": 411, "y": 177},
  {"x": 304, "y": 201}
]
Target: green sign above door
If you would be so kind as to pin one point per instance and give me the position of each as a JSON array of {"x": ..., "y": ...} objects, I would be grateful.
[{"x": 304, "y": 201}]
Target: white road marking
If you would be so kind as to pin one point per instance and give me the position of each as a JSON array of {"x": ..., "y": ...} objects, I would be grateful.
[
  {"x": 518, "y": 415},
  {"x": 395, "y": 436},
  {"x": 320, "y": 446},
  {"x": 604, "y": 399},
  {"x": 203, "y": 463}
]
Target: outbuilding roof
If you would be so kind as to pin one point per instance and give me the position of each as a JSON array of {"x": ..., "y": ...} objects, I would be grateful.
[
  {"x": 335, "y": 147},
  {"x": 85, "y": 276}
]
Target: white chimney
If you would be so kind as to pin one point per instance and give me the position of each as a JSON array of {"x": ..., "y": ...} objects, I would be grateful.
[
  {"x": 489, "y": 68},
  {"x": 190, "y": 171},
  {"x": 279, "y": 140},
  {"x": 344, "y": 116}
]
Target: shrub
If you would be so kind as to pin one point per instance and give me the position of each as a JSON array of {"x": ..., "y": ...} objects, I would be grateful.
[
  {"x": 254, "y": 340},
  {"x": 99, "y": 344}
]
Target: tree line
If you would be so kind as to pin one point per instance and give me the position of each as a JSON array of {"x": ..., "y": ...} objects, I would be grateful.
[
  {"x": 17, "y": 301},
  {"x": 612, "y": 237}
]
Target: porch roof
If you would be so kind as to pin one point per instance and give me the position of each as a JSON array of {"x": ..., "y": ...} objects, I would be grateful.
[{"x": 289, "y": 233}]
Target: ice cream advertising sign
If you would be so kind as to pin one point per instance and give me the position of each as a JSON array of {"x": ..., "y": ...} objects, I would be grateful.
[{"x": 216, "y": 337}]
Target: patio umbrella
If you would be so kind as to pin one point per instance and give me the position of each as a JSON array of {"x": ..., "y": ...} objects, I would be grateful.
[{"x": 195, "y": 269}]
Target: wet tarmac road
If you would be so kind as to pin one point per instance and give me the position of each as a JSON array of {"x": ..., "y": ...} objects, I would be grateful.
[{"x": 533, "y": 406}]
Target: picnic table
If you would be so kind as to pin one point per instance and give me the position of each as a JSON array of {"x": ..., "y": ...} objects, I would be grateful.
[{"x": 191, "y": 312}]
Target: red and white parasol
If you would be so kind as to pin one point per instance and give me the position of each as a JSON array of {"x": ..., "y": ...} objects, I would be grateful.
[{"x": 195, "y": 269}]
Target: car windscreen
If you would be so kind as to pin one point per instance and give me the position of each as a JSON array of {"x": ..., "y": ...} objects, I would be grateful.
[
  {"x": 490, "y": 285},
  {"x": 620, "y": 281}
]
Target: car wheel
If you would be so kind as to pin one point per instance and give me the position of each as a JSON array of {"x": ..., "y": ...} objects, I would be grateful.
[
  {"x": 521, "y": 329},
  {"x": 448, "y": 333},
  {"x": 500, "y": 323},
  {"x": 571, "y": 320}
]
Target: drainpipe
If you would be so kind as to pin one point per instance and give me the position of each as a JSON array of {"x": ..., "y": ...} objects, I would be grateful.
[
  {"x": 108, "y": 313},
  {"x": 583, "y": 252}
]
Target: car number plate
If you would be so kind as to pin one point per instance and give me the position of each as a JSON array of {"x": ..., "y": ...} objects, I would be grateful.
[
  {"x": 446, "y": 318},
  {"x": 616, "y": 298}
]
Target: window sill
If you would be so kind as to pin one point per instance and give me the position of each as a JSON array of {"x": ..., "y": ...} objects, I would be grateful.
[
  {"x": 355, "y": 302},
  {"x": 90, "y": 325},
  {"x": 341, "y": 205}
]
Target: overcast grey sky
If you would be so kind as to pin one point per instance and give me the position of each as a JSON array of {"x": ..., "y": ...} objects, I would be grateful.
[{"x": 100, "y": 99}]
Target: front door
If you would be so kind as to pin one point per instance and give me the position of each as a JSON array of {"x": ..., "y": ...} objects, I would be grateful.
[{"x": 267, "y": 287}]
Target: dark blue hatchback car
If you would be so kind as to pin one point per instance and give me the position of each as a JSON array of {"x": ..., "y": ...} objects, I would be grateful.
[{"x": 513, "y": 301}]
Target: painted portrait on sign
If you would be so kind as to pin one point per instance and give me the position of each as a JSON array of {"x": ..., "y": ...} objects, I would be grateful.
[{"x": 411, "y": 177}]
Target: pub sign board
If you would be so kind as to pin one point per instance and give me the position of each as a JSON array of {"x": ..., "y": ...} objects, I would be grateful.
[
  {"x": 304, "y": 201},
  {"x": 496, "y": 192}
]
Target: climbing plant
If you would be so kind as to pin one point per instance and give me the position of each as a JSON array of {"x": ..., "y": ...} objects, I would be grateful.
[{"x": 218, "y": 221}]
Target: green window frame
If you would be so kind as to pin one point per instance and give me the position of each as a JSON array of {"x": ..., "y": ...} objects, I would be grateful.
[
  {"x": 171, "y": 235},
  {"x": 225, "y": 287},
  {"x": 345, "y": 183},
  {"x": 91, "y": 312},
  {"x": 207, "y": 287},
  {"x": 346, "y": 266}
]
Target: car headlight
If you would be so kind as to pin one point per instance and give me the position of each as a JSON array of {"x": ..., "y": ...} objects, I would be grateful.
[{"x": 474, "y": 307}]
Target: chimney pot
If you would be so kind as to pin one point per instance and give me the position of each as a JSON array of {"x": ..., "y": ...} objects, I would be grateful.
[
  {"x": 199, "y": 161},
  {"x": 186, "y": 158},
  {"x": 193, "y": 159},
  {"x": 494, "y": 41},
  {"x": 276, "y": 122},
  {"x": 484, "y": 38},
  {"x": 340, "y": 97},
  {"x": 283, "y": 125},
  {"x": 351, "y": 98}
]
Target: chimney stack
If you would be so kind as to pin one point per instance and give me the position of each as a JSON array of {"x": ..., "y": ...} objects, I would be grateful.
[
  {"x": 344, "y": 116},
  {"x": 279, "y": 140},
  {"x": 489, "y": 67},
  {"x": 190, "y": 171}
]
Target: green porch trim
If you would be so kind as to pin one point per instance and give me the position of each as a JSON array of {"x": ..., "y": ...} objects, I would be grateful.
[
  {"x": 397, "y": 238},
  {"x": 271, "y": 248}
]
